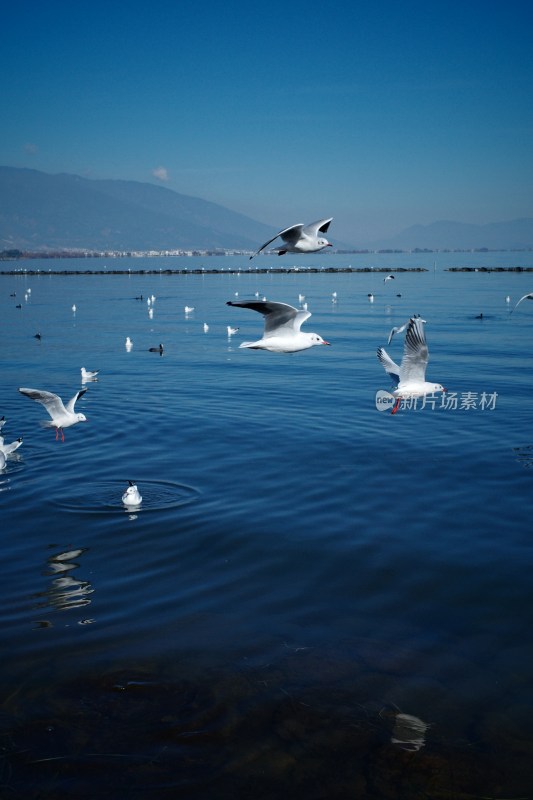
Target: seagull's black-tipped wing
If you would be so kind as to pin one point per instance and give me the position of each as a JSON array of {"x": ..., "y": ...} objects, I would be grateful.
[
  {"x": 72, "y": 402},
  {"x": 291, "y": 234},
  {"x": 389, "y": 365},
  {"x": 277, "y": 315},
  {"x": 52, "y": 402},
  {"x": 320, "y": 226}
]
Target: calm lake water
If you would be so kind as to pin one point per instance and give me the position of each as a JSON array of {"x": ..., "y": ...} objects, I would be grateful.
[{"x": 316, "y": 599}]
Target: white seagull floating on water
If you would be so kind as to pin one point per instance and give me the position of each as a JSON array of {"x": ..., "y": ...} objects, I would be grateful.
[
  {"x": 132, "y": 496},
  {"x": 528, "y": 296},
  {"x": 282, "y": 332},
  {"x": 89, "y": 375},
  {"x": 301, "y": 238},
  {"x": 410, "y": 376},
  {"x": 62, "y": 417}
]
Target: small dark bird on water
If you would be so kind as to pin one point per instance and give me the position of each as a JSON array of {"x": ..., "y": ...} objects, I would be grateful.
[
  {"x": 157, "y": 349},
  {"x": 37, "y": 336}
]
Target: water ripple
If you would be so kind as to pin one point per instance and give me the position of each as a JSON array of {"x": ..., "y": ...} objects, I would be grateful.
[{"x": 106, "y": 497}]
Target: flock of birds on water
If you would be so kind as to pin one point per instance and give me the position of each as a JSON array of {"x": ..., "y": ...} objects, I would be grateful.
[{"x": 282, "y": 334}]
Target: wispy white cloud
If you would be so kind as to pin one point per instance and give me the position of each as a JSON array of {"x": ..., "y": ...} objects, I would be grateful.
[
  {"x": 31, "y": 148},
  {"x": 161, "y": 173}
]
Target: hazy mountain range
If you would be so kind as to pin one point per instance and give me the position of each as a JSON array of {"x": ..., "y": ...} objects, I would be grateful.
[
  {"x": 514, "y": 235},
  {"x": 39, "y": 211}
]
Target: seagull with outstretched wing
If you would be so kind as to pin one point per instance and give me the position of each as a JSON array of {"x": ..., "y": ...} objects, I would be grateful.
[
  {"x": 301, "y": 238},
  {"x": 528, "y": 296},
  {"x": 61, "y": 416},
  {"x": 282, "y": 332},
  {"x": 410, "y": 377}
]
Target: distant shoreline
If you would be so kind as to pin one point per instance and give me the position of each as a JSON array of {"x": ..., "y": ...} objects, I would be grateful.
[
  {"x": 212, "y": 271},
  {"x": 254, "y": 271},
  {"x": 16, "y": 254}
]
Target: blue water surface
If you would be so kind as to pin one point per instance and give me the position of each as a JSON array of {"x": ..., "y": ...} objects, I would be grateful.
[{"x": 293, "y": 541}]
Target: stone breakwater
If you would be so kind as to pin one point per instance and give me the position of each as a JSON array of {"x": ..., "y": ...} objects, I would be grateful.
[{"x": 489, "y": 269}]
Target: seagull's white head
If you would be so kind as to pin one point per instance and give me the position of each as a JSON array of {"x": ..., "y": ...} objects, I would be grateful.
[
  {"x": 131, "y": 496},
  {"x": 81, "y": 417},
  {"x": 315, "y": 339},
  {"x": 324, "y": 243},
  {"x": 437, "y": 387}
]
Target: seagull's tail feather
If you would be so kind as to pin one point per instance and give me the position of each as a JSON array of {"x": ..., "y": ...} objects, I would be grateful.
[{"x": 250, "y": 345}]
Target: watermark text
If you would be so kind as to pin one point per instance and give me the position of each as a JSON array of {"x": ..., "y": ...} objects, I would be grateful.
[{"x": 447, "y": 401}]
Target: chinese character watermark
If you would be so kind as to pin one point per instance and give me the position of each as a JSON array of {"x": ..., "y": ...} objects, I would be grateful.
[{"x": 447, "y": 401}]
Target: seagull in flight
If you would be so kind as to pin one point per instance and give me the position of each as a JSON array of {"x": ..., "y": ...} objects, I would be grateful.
[
  {"x": 282, "y": 332},
  {"x": 7, "y": 449},
  {"x": 410, "y": 376},
  {"x": 301, "y": 238},
  {"x": 400, "y": 329},
  {"x": 62, "y": 416},
  {"x": 525, "y": 297}
]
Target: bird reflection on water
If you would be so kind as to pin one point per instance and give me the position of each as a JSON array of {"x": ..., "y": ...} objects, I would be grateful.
[{"x": 65, "y": 591}]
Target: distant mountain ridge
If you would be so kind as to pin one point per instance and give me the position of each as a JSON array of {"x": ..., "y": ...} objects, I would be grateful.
[
  {"x": 38, "y": 210},
  {"x": 516, "y": 234}
]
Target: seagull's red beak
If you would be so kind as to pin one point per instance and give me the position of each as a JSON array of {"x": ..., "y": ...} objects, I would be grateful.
[{"x": 328, "y": 343}]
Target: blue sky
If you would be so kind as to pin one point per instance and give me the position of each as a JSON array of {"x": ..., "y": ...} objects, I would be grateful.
[{"x": 380, "y": 114}]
